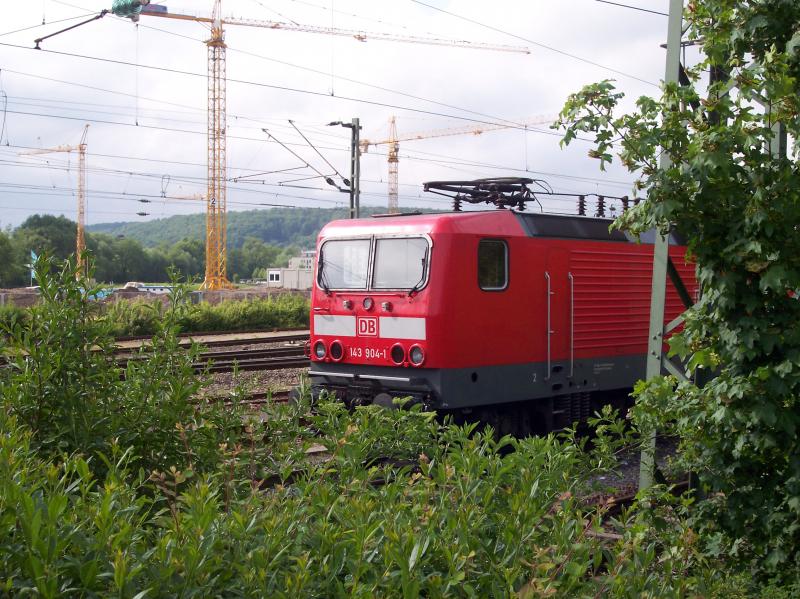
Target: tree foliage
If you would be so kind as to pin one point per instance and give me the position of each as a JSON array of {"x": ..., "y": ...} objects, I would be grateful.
[
  {"x": 739, "y": 205},
  {"x": 257, "y": 241},
  {"x": 119, "y": 258},
  {"x": 278, "y": 226}
]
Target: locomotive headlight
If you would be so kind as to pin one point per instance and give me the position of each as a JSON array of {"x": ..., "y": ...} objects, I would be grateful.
[
  {"x": 416, "y": 355},
  {"x": 319, "y": 350},
  {"x": 337, "y": 351},
  {"x": 398, "y": 354},
  {"x": 368, "y": 303}
]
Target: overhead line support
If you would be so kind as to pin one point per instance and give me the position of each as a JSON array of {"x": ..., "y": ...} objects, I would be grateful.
[
  {"x": 658, "y": 289},
  {"x": 355, "y": 165},
  {"x": 39, "y": 40}
]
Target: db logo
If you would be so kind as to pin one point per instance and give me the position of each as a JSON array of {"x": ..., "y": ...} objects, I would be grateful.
[{"x": 367, "y": 326}]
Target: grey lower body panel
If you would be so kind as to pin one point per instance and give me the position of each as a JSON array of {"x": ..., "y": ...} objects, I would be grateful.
[{"x": 487, "y": 385}]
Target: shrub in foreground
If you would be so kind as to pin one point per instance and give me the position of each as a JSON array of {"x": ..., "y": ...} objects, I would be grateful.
[
  {"x": 64, "y": 384},
  {"x": 462, "y": 519},
  {"x": 136, "y": 489}
]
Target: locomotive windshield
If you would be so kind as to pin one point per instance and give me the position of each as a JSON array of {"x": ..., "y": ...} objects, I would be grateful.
[
  {"x": 343, "y": 264},
  {"x": 400, "y": 263},
  {"x": 396, "y": 263}
]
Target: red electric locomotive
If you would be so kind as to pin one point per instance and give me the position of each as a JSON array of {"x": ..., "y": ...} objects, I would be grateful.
[{"x": 544, "y": 315}]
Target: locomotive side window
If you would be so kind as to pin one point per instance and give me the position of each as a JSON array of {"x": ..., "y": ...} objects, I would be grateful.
[
  {"x": 400, "y": 263},
  {"x": 492, "y": 264},
  {"x": 343, "y": 264}
]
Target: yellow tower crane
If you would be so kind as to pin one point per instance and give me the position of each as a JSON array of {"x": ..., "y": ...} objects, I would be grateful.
[
  {"x": 80, "y": 241},
  {"x": 216, "y": 208},
  {"x": 394, "y": 148},
  {"x": 393, "y": 142}
]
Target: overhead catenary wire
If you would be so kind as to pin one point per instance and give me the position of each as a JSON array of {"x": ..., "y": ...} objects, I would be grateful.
[
  {"x": 199, "y": 132},
  {"x": 534, "y": 42},
  {"x": 323, "y": 73},
  {"x": 58, "y": 104},
  {"x": 42, "y": 24},
  {"x": 154, "y": 127},
  {"x": 346, "y": 181},
  {"x": 53, "y": 105},
  {"x": 135, "y": 197},
  {"x": 114, "y": 194},
  {"x": 639, "y": 8},
  {"x": 327, "y": 178},
  {"x": 417, "y": 158},
  {"x": 63, "y": 210},
  {"x": 554, "y": 196},
  {"x": 309, "y": 69},
  {"x": 439, "y": 159},
  {"x": 198, "y": 181},
  {"x": 283, "y": 88}
]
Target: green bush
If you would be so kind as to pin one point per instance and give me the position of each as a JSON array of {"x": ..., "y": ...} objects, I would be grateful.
[
  {"x": 64, "y": 384},
  {"x": 464, "y": 519},
  {"x": 9, "y": 314},
  {"x": 132, "y": 318},
  {"x": 279, "y": 312},
  {"x": 140, "y": 317}
]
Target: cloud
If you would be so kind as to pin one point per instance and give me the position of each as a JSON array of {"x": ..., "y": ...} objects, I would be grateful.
[{"x": 149, "y": 137}]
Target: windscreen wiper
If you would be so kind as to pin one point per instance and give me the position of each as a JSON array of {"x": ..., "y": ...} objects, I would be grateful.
[
  {"x": 419, "y": 283},
  {"x": 322, "y": 275}
]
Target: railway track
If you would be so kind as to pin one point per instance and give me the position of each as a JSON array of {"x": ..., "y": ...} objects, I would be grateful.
[
  {"x": 209, "y": 340},
  {"x": 255, "y": 399},
  {"x": 288, "y": 353},
  {"x": 269, "y": 358},
  {"x": 262, "y": 358}
]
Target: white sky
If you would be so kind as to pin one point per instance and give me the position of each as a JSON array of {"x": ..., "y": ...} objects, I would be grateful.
[{"x": 47, "y": 99}]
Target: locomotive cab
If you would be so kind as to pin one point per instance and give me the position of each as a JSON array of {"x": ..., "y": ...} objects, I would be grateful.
[{"x": 370, "y": 312}]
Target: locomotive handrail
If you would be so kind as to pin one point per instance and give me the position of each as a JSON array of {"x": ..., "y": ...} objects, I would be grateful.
[
  {"x": 345, "y": 375},
  {"x": 571, "y": 324},
  {"x": 549, "y": 332},
  {"x": 381, "y": 377}
]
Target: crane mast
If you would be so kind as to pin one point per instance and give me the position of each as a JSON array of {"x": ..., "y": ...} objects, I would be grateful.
[
  {"x": 80, "y": 237},
  {"x": 80, "y": 241},
  {"x": 216, "y": 200},
  {"x": 394, "y": 149}
]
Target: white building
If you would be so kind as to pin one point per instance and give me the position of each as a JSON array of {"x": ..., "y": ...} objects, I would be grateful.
[{"x": 298, "y": 275}]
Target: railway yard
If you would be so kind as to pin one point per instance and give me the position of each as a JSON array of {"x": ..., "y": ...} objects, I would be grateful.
[
  {"x": 400, "y": 299},
  {"x": 270, "y": 364}
]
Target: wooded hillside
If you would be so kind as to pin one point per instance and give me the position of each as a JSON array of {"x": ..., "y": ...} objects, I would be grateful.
[{"x": 279, "y": 226}]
